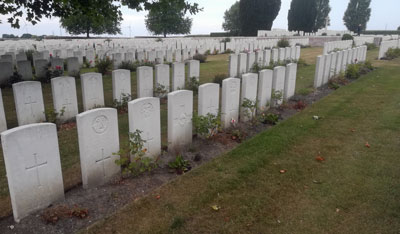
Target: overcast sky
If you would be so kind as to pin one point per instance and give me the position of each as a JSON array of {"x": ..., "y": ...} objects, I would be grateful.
[{"x": 385, "y": 15}]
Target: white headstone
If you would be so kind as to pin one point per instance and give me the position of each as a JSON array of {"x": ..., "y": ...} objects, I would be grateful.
[
  {"x": 233, "y": 65},
  {"x": 64, "y": 97},
  {"x": 28, "y": 99},
  {"x": 178, "y": 76},
  {"x": 144, "y": 115},
  {"x": 327, "y": 67},
  {"x": 7, "y": 71},
  {"x": 278, "y": 83},
  {"x": 319, "y": 71},
  {"x": 242, "y": 64},
  {"x": 267, "y": 57},
  {"x": 162, "y": 76},
  {"x": 3, "y": 121},
  {"x": 275, "y": 55},
  {"x": 249, "y": 91},
  {"x": 251, "y": 59},
  {"x": 25, "y": 70},
  {"x": 33, "y": 167},
  {"x": 282, "y": 54},
  {"x": 230, "y": 101},
  {"x": 92, "y": 90},
  {"x": 98, "y": 141},
  {"x": 121, "y": 83},
  {"x": 264, "y": 89},
  {"x": 144, "y": 81},
  {"x": 208, "y": 99},
  {"x": 180, "y": 112},
  {"x": 193, "y": 69},
  {"x": 290, "y": 81}
]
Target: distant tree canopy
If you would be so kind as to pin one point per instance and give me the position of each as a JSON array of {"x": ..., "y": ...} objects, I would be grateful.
[
  {"x": 231, "y": 20},
  {"x": 169, "y": 18},
  {"x": 26, "y": 36},
  {"x": 308, "y": 15},
  {"x": 357, "y": 15},
  {"x": 93, "y": 17},
  {"x": 257, "y": 15},
  {"x": 9, "y": 36},
  {"x": 33, "y": 10},
  {"x": 398, "y": 29}
]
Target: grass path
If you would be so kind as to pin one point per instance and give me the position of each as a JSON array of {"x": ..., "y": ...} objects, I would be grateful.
[{"x": 355, "y": 190}]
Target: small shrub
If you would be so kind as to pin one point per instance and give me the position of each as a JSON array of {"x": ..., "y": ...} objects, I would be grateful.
[
  {"x": 15, "y": 78},
  {"x": 133, "y": 161},
  {"x": 201, "y": 57},
  {"x": 370, "y": 46},
  {"x": 366, "y": 67},
  {"x": 282, "y": 43},
  {"x": 249, "y": 107},
  {"x": 122, "y": 104},
  {"x": 52, "y": 116},
  {"x": 208, "y": 52},
  {"x": 337, "y": 81},
  {"x": 206, "y": 126},
  {"x": 300, "y": 105},
  {"x": 160, "y": 91},
  {"x": 347, "y": 37},
  {"x": 237, "y": 135},
  {"x": 51, "y": 73},
  {"x": 276, "y": 96},
  {"x": 193, "y": 84},
  {"x": 219, "y": 78},
  {"x": 392, "y": 53},
  {"x": 127, "y": 65},
  {"x": 324, "y": 34},
  {"x": 352, "y": 71},
  {"x": 180, "y": 165},
  {"x": 104, "y": 65},
  {"x": 269, "y": 118}
]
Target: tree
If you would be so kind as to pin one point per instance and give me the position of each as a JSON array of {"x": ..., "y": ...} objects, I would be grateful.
[
  {"x": 93, "y": 16},
  {"x": 398, "y": 29},
  {"x": 231, "y": 20},
  {"x": 26, "y": 36},
  {"x": 33, "y": 10},
  {"x": 322, "y": 15},
  {"x": 357, "y": 15},
  {"x": 301, "y": 16},
  {"x": 257, "y": 15},
  {"x": 169, "y": 18}
]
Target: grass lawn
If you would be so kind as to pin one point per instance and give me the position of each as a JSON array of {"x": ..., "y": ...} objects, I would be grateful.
[
  {"x": 217, "y": 64},
  {"x": 355, "y": 190}
]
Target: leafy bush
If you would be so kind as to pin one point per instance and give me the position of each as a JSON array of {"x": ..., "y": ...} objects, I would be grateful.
[
  {"x": 193, "y": 84},
  {"x": 249, "y": 108},
  {"x": 324, "y": 34},
  {"x": 201, "y": 57},
  {"x": 122, "y": 104},
  {"x": 160, "y": 91},
  {"x": 52, "y": 116},
  {"x": 219, "y": 78},
  {"x": 269, "y": 118},
  {"x": 282, "y": 43},
  {"x": 29, "y": 55},
  {"x": 15, "y": 78},
  {"x": 352, "y": 71},
  {"x": 226, "y": 39},
  {"x": 370, "y": 46},
  {"x": 104, "y": 65},
  {"x": 365, "y": 67},
  {"x": 206, "y": 126},
  {"x": 180, "y": 165},
  {"x": 127, "y": 65},
  {"x": 51, "y": 73},
  {"x": 133, "y": 161},
  {"x": 347, "y": 37},
  {"x": 392, "y": 53}
]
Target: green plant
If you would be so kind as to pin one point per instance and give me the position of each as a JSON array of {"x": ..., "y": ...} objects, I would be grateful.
[
  {"x": 392, "y": 53},
  {"x": 193, "y": 84},
  {"x": 370, "y": 46},
  {"x": 206, "y": 126},
  {"x": 51, "y": 73},
  {"x": 347, "y": 37},
  {"x": 226, "y": 39},
  {"x": 160, "y": 90},
  {"x": 122, "y": 104},
  {"x": 324, "y": 34},
  {"x": 201, "y": 57},
  {"x": 104, "y": 65},
  {"x": 180, "y": 165},
  {"x": 52, "y": 116},
  {"x": 282, "y": 43},
  {"x": 29, "y": 55},
  {"x": 269, "y": 118},
  {"x": 249, "y": 109},
  {"x": 15, "y": 78},
  {"x": 133, "y": 161},
  {"x": 237, "y": 135},
  {"x": 302, "y": 63},
  {"x": 219, "y": 78},
  {"x": 159, "y": 40},
  {"x": 208, "y": 52},
  {"x": 352, "y": 71},
  {"x": 276, "y": 96}
]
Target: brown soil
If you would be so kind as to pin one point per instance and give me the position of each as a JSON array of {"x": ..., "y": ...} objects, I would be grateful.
[{"x": 82, "y": 208}]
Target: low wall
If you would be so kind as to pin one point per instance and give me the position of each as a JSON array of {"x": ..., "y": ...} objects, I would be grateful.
[{"x": 319, "y": 41}]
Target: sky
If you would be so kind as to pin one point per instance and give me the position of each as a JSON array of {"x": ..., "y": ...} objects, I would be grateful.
[{"x": 384, "y": 15}]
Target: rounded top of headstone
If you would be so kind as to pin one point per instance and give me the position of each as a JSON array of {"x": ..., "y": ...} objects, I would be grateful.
[
  {"x": 27, "y": 126},
  {"x": 90, "y": 74},
  {"x": 25, "y": 83},
  {"x": 180, "y": 92},
  {"x": 209, "y": 85}
]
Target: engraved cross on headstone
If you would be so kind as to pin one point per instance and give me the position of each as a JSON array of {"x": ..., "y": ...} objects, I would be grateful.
[
  {"x": 29, "y": 101},
  {"x": 182, "y": 116},
  {"x": 211, "y": 107},
  {"x": 35, "y": 167},
  {"x": 103, "y": 158}
]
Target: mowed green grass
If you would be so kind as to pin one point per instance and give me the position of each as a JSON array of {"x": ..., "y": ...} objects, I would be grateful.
[
  {"x": 355, "y": 190},
  {"x": 68, "y": 141}
]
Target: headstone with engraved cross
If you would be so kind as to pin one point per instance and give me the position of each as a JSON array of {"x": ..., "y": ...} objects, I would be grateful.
[
  {"x": 162, "y": 78},
  {"x": 92, "y": 90},
  {"x": 264, "y": 89},
  {"x": 33, "y": 167},
  {"x": 249, "y": 93},
  {"x": 144, "y": 115},
  {"x": 144, "y": 81},
  {"x": 121, "y": 84},
  {"x": 29, "y": 105},
  {"x": 230, "y": 101},
  {"x": 180, "y": 111},
  {"x": 98, "y": 140},
  {"x": 178, "y": 76},
  {"x": 208, "y": 99},
  {"x": 64, "y": 97},
  {"x": 193, "y": 69}
]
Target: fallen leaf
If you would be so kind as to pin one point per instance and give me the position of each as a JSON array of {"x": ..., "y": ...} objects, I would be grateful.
[
  {"x": 282, "y": 171},
  {"x": 319, "y": 159},
  {"x": 158, "y": 197},
  {"x": 215, "y": 207},
  {"x": 367, "y": 145}
]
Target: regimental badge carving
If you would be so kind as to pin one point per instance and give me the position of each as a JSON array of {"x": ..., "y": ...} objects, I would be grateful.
[
  {"x": 100, "y": 124},
  {"x": 147, "y": 109}
]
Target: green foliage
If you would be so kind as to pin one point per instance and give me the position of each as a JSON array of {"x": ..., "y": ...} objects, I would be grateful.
[
  {"x": 357, "y": 15},
  {"x": 282, "y": 43},
  {"x": 206, "y": 126},
  {"x": 381, "y": 32},
  {"x": 122, "y": 104},
  {"x": 180, "y": 165},
  {"x": 346, "y": 37},
  {"x": 5, "y": 36},
  {"x": 249, "y": 109},
  {"x": 52, "y": 116},
  {"x": 370, "y": 46},
  {"x": 219, "y": 78},
  {"x": 201, "y": 57},
  {"x": 257, "y": 15},
  {"x": 301, "y": 16},
  {"x": 322, "y": 14},
  {"x": 15, "y": 78},
  {"x": 231, "y": 20},
  {"x": 352, "y": 71},
  {"x": 26, "y": 36},
  {"x": 104, "y": 65},
  {"x": 398, "y": 29},
  {"x": 132, "y": 66},
  {"x": 392, "y": 53},
  {"x": 276, "y": 96},
  {"x": 269, "y": 118},
  {"x": 324, "y": 34},
  {"x": 93, "y": 17},
  {"x": 50, "y": 73},
  {"x": 193, "y": 84},
  {"x": 169, "y": 18},
  {"x": 133, "y": 161},
  {"x": 160, "y": 90}
]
